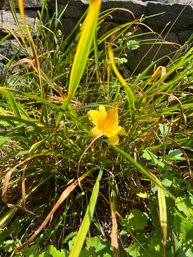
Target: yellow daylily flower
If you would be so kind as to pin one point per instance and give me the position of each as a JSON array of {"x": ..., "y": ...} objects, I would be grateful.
[{"x": 106, "y": 123}]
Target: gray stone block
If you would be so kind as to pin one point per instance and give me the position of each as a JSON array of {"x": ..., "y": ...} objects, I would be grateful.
[
  {"x": 183, "y": 36},
  {"x": 7, "y": 19},
  {"x": 177, "y": 15},
  {"x": 27, "y": 4}
]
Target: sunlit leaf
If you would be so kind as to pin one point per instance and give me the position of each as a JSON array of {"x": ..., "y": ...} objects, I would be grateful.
[
  {"x": 79, "y": 241},
  {"x": 133, "y": 44},
  {"x": 82, "y": 53}
]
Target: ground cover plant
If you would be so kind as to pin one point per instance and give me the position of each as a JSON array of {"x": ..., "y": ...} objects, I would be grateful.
[{"x": 95, "y": 160}]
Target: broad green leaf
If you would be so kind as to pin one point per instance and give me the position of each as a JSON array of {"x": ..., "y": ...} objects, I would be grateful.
[
  {"x": 51, "y": 249},
  {"x": 133, "y": 44},
  {"x": 164, "y": 129},
  {"x": 54, "y": 252},
  {"x": 98, "y": 245},
  {"x": 134, "y": 250},
  {"x": 175, "y": 154},
  {"x": 148, "y": 155},
  {"x": 85, "y": 253},
  {"x": 181, "y": 204},
  {"x": 167, "y": 182},
  {"x": 8, "y": 245},
  {"x": 107, "y": 255},
  {"x": 33, "y": 251},
  {"x": 136, "y": 220},
  {"x": 44, "y": 254}
]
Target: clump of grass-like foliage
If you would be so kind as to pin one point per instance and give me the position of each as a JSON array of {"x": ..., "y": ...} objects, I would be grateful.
[{"x": 67, "y": 192}]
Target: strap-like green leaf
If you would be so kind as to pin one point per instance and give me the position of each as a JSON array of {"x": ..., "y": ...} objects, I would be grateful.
[
  {"x": 76, "y": 249},
  {"x": 82, "y": 53}
]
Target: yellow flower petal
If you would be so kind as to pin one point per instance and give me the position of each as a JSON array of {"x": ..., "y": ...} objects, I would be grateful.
[
  {"x": 106, "y": 122},
  {"x": 103, "y": 112},
  {"x": 114, "y": 140},
  {"x": 96, "y": 116},
  {"x": 112, "y": 116},
  {"x": 118, "y": 130},
  {"x": 121, "y": 131},
  {"x": 96, "y": 131},
  {"x": 110, "y": 122}
]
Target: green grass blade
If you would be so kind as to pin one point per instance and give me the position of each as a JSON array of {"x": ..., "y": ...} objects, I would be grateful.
[
  {"x": 144, "y": 171},
  {"x": 87, "y": 219},
  {"x": 129, "y": 92},
  {"x": 163, "y": 216},
  {"x": 82, "y": 53},
  {"x": 11, "y": 119},
  {"x": 8, "y": 215},
  {"x": 11, "y": 100},
  {"x": 13, "y": 104}
]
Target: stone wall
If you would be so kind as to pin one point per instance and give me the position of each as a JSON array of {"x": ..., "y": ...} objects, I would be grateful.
[
  {"x": 176, "y": 14},
  {"x": 5, "y": 4},
  {"x": 172, "y": 19},
  {"x": 174, "y": 22},
  {"x": 10, "y": 47}
]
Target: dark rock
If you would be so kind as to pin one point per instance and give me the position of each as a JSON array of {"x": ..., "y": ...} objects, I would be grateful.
[
  {"x": 32, "y": 4},
  {"x": 169, "y": 18},
  {"x": 183, "y": 36},
  {"x": 8, "y": 49},
  {"x": 162, "y": 15},
  {"x": 2, "y": 3},
  {"x": 176, "y": 15},
  {"x": 171, "y": 8},
  {"x": 68, "y": 24},
  {"x": 76, "y": 8},
  {"x": 146, "y": 54}
]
